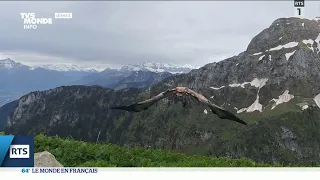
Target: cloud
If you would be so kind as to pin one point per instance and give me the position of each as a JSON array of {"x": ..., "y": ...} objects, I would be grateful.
[{"x": 115, "y": 33}]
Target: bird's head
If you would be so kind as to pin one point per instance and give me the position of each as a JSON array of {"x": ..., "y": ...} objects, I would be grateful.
[{"x": 180, "y": 89}]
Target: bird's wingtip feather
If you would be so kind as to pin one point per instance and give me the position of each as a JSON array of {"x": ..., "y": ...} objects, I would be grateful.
[{"x": 119, "y": 107}]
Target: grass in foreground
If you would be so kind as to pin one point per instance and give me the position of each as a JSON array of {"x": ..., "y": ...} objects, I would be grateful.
[{"x": 73, "y": 153}]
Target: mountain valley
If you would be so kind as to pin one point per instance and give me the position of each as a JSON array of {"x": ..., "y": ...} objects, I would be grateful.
[{"x": 18, "y": 79}]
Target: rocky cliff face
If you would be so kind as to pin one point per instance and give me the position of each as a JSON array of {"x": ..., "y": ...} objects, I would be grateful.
[
  {"x": 273, "y": 85},
  {"x": 283, "y": 57},
  {"x": 6, "y": 112},
  {"x": 81, "y": 108}
]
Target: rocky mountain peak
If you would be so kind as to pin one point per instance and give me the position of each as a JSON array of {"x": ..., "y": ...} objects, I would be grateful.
[
  {"x": 285, "y": 33},
  {"x": 9, "y": 64},
  {"x": 284, "y": 58}
]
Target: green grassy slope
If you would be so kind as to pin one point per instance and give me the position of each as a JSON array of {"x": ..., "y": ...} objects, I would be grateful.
[{"x": 73, "y": 153}]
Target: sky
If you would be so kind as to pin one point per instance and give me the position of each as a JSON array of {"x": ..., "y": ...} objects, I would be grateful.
[{"x": 113, "y": 33}]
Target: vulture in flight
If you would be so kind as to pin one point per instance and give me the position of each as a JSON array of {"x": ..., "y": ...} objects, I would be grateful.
[{"x": 184, "y": 95}]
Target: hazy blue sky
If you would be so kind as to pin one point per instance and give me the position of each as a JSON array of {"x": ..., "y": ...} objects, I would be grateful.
[{"x": 117, "y": 33}]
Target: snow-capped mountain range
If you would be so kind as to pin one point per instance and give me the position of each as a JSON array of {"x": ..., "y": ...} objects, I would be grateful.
[
  {"x": 145, "y": 66},
  {"x": 145, "y": 73},
  {"x": 11, "y": 64},
  {"x": 21, "y": 78},
  {"x": 18, "y": 77},
  {"x": 66, "y": 67},
  {"x": 159, "y": 67}
]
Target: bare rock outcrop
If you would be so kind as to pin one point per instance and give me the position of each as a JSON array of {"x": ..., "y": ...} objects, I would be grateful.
[{"x": 45, "y": 159}]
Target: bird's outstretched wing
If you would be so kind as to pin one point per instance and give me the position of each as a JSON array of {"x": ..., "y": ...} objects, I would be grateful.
[
  {"x": 219, "y": 111},
  {"x": 143, "y": 105},
  {"x": 189, "y": 95},
  {"x": 224, "y": 114}
]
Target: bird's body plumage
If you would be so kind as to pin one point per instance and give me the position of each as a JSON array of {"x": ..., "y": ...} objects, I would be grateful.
[{"x": 185, "y": 95}]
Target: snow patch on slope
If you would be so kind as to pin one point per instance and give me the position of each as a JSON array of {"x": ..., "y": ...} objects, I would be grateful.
[
  {"x": 241, "y": 110},
  {"x": 317, "y": 100},
  {"x": 217, "y": 88},
  {"x": 258, "y": 83},
  {"x": 317, "y": 40},
  {"x": 261, "y": 57},
  {"x": 288, "y": 55},
  {"x": 288, "y": 45},
  {"x": 309, "y": 42},
  {"x": 255, "y": 106},
  {"x": 305, "y": 107},
  {"x": 257, "y": 53},
  {"x": 238, "y": 85},
  {"x": 283, "y": 98}
]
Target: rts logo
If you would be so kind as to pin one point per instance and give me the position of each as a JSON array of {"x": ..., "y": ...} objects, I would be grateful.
[
  {"x": 19, "y": 151},
  {"x": 16, "y": 151}
]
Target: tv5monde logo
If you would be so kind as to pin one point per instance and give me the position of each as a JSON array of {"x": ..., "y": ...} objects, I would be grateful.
[{"x": 16, "y": 151}]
